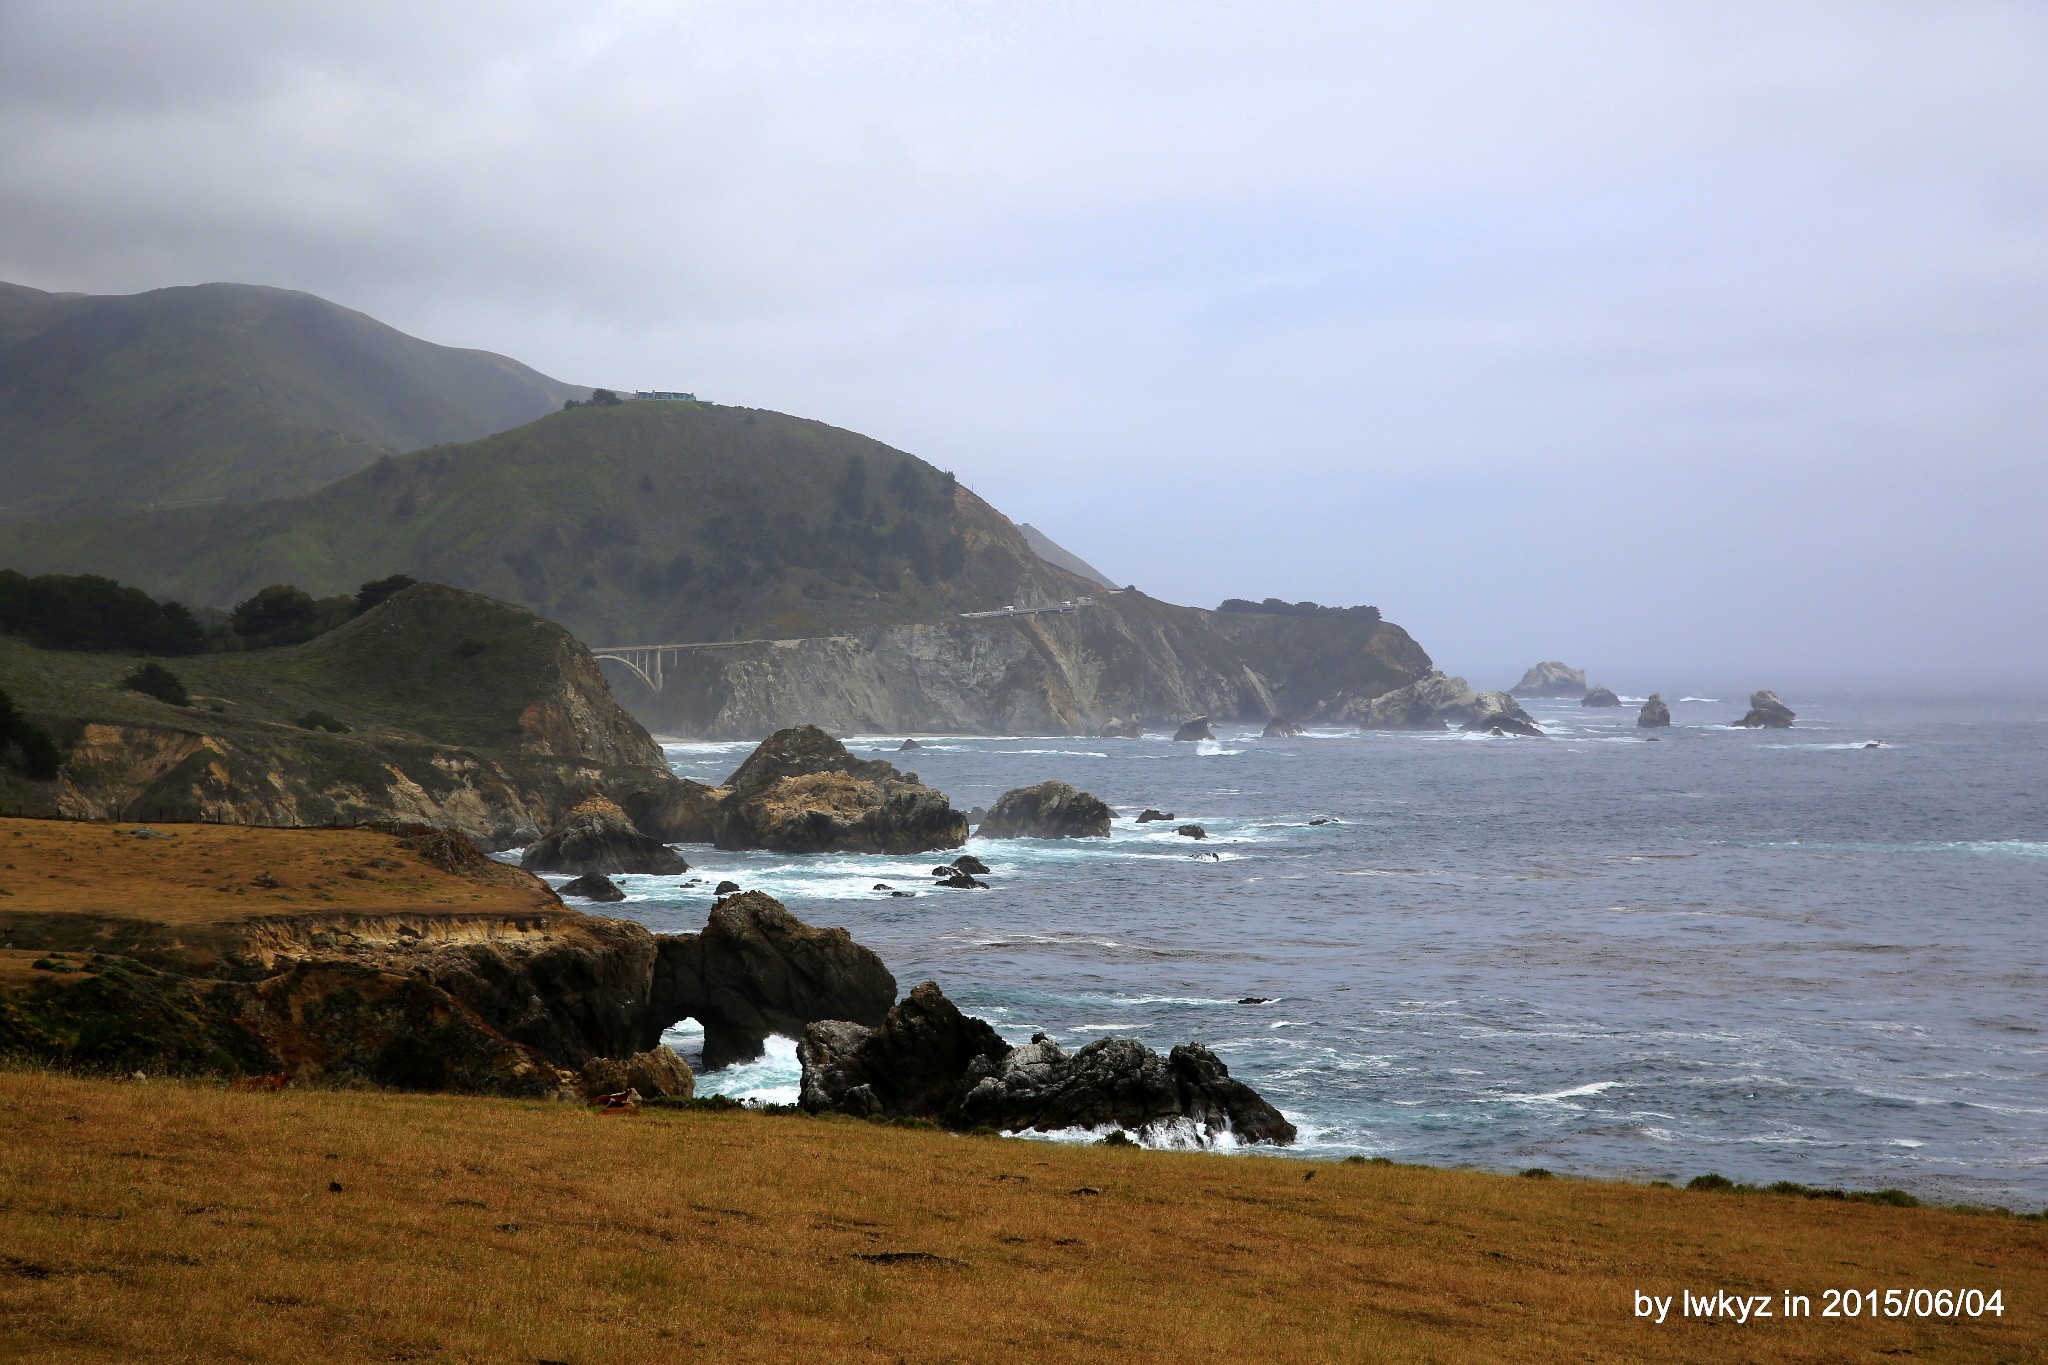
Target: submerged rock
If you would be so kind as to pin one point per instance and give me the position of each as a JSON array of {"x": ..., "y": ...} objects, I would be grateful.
[
  {"x": 1551, "y": 679},
  {"x": 1123, "y": 729},
  {"x": 1767, "y": 712},
  {"x": 1198, "y": 728},
  {"x": 1654, "y": 713},
  {"x": 1050, "y": 810},
  {"x": 1600, "y": 696},
  {"x": 592, "y": 886},
  {"x": 928, "y": 1060},
  {"x": 598, "y": 837},
  {"x": 1277, "y": 728},
  {"x": 802, "y": 792}
]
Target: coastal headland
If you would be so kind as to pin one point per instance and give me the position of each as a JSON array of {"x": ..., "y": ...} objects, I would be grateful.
[{"x": 172, "y": 1219}]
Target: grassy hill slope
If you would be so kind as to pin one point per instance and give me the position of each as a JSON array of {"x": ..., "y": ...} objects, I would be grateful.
[
  {"x": 224, "y": 393},
  {"x": 647, "y": 521},
  {"x": 182, "y": 1220}
]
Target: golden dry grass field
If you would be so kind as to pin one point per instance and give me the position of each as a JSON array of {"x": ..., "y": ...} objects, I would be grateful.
[
  {"x": 215, "y": 874},
  {"x": 166, "y": 1220}
]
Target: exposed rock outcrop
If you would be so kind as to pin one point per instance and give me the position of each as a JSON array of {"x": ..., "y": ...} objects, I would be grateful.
[
  {"x": 756, "y": 969},
  {"x": 1551, "y": 679},
  {"x": 471, "y": 976},
  {"x": 1437, "y": 701},
  {"x": 1277, "y": 728},
  {"x": 1766, "y": 712},
  {"x": 1197, "y": 728},
  {"x": 1654, "y": 715},
  {"x": 802, "y": 792},
  {"x": 1149, "y": 815},
  {"x": 1599, "y": 696},
  {"x": 657, "y": 1073},
  {"x": 598, "y": 838},
  {"x": 1050, "y": 810},
  {"x": 928, "y": 1060},
  {"x": 1192, "y": 832},
  {"x": 1131, "y": 728}
]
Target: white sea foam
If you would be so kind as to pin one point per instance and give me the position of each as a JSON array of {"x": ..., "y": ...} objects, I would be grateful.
[
  {"x": 1576, "y": 1092},
  {"x": 776, "y": 1077}
]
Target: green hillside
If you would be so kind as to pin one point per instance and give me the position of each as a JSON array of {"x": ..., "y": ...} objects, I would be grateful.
[
  {"x": 222, "y": 393},
  {"x": 644, "y": 521}
]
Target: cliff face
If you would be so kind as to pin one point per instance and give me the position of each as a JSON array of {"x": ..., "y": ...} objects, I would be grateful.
[
  {"x": 1066, "y": 673},
  {"x": 1314, "y": 665}
]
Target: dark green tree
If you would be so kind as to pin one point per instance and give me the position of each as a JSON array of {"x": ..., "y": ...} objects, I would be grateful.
[
  {"x": 280, "y": 614},
  {"x": 374, "y": 592},
  {"x": 154, "y": 680}
]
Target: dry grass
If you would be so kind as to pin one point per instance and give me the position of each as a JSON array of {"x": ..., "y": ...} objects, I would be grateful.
[
  {"x": 216, "y": 874},
  {"x": 183, "y": 1221}
]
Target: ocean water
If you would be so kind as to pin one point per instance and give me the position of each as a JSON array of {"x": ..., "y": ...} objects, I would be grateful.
[{"x": 1775, "y": 955}]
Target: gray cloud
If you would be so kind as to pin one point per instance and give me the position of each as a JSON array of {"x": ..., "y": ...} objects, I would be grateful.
[{"x": 1706, "y": 338}]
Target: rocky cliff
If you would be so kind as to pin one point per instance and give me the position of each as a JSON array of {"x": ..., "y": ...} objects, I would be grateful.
[
  {"x": 437, "y": 706},
  {"x": 1126, "y": 656},
  {"x": 397, "y": 957}
]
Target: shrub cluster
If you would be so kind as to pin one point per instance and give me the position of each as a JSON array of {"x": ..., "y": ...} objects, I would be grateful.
[
  {"x": 92, "y": 613},
  {"x": 24, "y": 746},
  {"x": 1273, "y": 606},
  {"x": 154, "y": 680}
]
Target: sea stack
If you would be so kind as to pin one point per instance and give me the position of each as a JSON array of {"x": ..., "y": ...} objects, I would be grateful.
[
  {"x": 1551, "y": 679},
  {"x": 1278, "y": 728},
  {"x": 1600, "y": 696},
  {"x": 1766, "y": 712},
  {"x": 1654, "y": 714},
  {"x": 1198, "y": 728}
]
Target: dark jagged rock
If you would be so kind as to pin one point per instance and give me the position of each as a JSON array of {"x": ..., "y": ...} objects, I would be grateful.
[
  {"x": 1766, "y": 712},
  {"x": 802, "y": 792},
  {"x": 677, "y": 811},
  {"x": 1600, "y": 696},
  {"x": 1149, "y": 816},
  {"x": 1498, "y": 713},
  {"x": 1277, "y": 728},
  {"x": 968, "y": 863},
  {"x": 726, "y": 888},
  {"x": 1551, "y": 679},
  {"x": 756, "y": 969},
  {"x": 1192, "y": 832},
  {"x": 1050, "y": 810},
  {"x": 1256, "y": 1000},
  {"x": 928, "y": 1060},
  {"x": 961, "y": 881},
  {"x": 1654, "y": 713},
  {"x": 1198, "y": 728},
  {"x": 593, "y": 886},
  {"x": 1123, "y": 729},
  {"x": 597, "y": 837},
  {"x": 977, "y": 815},
  {"x": 907, "y": 745}
]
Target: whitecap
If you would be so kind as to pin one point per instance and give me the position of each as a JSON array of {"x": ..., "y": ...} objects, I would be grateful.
[{"x": 1577, "y": 1091}]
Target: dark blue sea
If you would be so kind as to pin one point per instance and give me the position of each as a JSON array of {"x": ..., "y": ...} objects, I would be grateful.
[{"x": 1769, "y": 954}]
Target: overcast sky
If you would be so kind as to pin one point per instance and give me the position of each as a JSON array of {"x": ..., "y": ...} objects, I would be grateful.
[{"x": 1678, "y": 341}]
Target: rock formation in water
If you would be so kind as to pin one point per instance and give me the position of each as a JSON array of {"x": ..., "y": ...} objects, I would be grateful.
[
  {"x": 592, "y": 886},
  {"x": 1277, "y": 728},
  {"x": 598, "y": 838},
  {"x": 1050, "y": 810},
  {"x": 756, "y": 969},
  {"x": 1599, "y": 696},
  {"x": 1438, "y": 701},
  {"x": 1551, "y": 679},
  {"x": 1130, "y": 728},
  {"x": 1149, "y": 815},
  {"x": 1767, "y": 712},
  {"x": 1655, "y": 714},
  {"x": 928, "y": 1060},
  {"x": 1197, "y": 728},
  {"x": 802, "y": 792}
]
